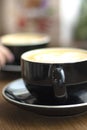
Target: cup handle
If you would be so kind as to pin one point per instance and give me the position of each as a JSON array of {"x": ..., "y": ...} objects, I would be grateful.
[{"x": 58, "y": 82}]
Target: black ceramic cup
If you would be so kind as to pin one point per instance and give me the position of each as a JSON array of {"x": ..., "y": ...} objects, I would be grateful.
[
  {"x": 50, "y": 73},
  {"x": 19, "y": 43}
]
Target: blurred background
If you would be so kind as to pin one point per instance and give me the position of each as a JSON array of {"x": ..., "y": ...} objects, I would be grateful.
[
  {"x": 29, "y": 16},
  {"x": 64, "y": 20}
]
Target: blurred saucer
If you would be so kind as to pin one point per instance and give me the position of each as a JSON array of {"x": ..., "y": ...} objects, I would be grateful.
[
  {"x": 13, "y": 67},
  {"x": 17, "y": 94}
]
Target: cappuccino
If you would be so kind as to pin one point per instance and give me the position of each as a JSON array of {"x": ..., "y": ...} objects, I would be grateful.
[
  {"x": 56, "y": 55},
  {"x": 22, "y": 39}
]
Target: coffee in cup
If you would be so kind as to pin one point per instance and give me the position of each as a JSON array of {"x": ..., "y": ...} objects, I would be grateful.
[
  {"x": 18, "y": 43},
  {"x": 50, "y": 73},
  {"x": 56, "y": 56}
]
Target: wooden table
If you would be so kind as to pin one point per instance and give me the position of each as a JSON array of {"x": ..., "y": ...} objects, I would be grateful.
[{"x": 14, "y": 118}]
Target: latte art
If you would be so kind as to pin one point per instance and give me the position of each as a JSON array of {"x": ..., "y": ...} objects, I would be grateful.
[
  {"x": 55, "y": 58},
  {"x": 53, "y": 55}
]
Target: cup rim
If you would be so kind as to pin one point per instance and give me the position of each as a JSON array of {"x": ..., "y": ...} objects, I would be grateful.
[
  {"x": 58, "y": 48},
  {"x": 45, "y": 40}
]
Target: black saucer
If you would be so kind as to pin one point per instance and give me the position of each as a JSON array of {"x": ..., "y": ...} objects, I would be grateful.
[{"x": 16, "y": 93}]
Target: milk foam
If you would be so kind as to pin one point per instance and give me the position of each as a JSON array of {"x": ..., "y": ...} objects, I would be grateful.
[
  {"x": 57, "y": 55},
  {"x": 24, "y": 39}
]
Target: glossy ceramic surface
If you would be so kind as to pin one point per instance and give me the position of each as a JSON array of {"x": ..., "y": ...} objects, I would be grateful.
[
  {"x": 17, "y": 94},
  {"x": 52, "y": 80}
]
